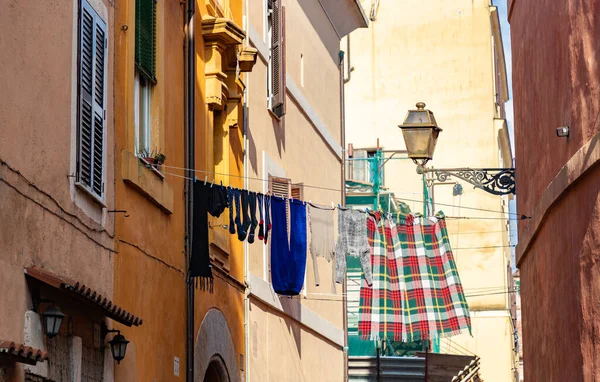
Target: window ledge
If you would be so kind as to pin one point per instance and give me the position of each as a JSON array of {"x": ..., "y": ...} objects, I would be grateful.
[
  {"x": 148, "y": 181},
  {"x": 84, "y": 190},
  {"x": 273, "y": 115},
  {"x": 152, "y": 168}
]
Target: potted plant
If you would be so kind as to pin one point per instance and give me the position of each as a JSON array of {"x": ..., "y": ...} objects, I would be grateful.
[
  {"x": 159, "y": 158},
  {"x": 147, "y": 156}
]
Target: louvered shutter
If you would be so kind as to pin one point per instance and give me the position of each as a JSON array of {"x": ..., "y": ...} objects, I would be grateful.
[
  {"x": 92, "y": 103},
  {"x": 297, "y": 191},
  {"x": 283, "y": 64},
  {"x": 145, "y": 37},
  {"x": 280, "y": 186},
  {"x": 277, "y": 81}
]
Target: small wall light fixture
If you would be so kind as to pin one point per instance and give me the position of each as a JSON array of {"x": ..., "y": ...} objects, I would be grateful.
[
  {"x": 563, "y": 131},
  {"x": 52, "y": 320},
  {"x": 118, "y": 345}
]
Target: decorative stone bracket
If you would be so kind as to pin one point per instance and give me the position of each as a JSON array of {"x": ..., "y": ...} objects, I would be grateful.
[{"x": 226, "y": 58}]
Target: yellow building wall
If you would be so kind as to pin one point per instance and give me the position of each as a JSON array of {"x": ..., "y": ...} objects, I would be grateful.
[
  {"x": 441, "y": 53},
  {"x": 150, "y": 267}
]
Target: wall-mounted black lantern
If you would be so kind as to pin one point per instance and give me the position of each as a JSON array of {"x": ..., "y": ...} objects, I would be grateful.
[
  {"x": 53, "y": 318},
  {"x": 420, "y": 131},
  {"x": 118, "y": 345}
]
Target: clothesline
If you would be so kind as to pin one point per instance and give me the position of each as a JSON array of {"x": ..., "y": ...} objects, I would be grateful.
[
  {"x": 521, "y": 217},
  {"x": 300, "y": 297},
  {"x": 475, "y": 293}
]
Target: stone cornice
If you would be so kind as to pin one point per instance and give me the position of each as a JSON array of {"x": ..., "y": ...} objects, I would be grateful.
[{"x": 222, "y": 31}]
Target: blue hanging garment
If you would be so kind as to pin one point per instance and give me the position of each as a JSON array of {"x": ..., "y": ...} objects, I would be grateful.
[{"x": 288, "y": 261}]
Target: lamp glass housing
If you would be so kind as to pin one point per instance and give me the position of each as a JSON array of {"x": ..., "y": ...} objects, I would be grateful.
[
  {"x": 420, "y": 132},
  {"x": 118, "y": 347},
  {"x": 53, "y": 318}
]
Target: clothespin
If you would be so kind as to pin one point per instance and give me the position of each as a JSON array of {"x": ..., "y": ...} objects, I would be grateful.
[
  {"x": 221, "y": 183},
  {"x": 332, "y": 205},
  {"x": 205, "y": 178},
  {"x": 213, "y": 182}
]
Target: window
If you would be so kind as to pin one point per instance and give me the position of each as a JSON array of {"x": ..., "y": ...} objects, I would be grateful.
[
  {"x": 145, "y": 73},
  {"x": 363, "y": 164},
  {"x": 143, "y": 130},
  {"x": 276, "y": 67},
  {"x": 372, "y": 154},
  {"x": 91, "y": 103}
]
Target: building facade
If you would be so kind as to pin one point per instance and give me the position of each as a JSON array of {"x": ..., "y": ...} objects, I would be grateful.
[
  {"x": 151, "y": 273},
  {"x": 294, "y": 140},
  {"x": 57, "y": 250},
  {"x": 558, "y": 183},
  {"x": 452, "y": 60}
]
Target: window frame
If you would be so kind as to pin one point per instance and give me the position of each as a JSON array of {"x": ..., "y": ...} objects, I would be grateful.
[{"x": 142, "y": 113}]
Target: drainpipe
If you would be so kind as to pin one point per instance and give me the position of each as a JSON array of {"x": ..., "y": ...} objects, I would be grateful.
[
  {"x": 190, "y": 83},
  {"x": 343, "y": 188},
  {"x": 350, "y": 67},
  {"x": 246, "y": 93}
]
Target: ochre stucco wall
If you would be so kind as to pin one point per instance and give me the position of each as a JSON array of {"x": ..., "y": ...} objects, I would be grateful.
[
  {"x": 150, "y": 266},
  {"x": 45, "y": 221},
  {"x": 150, "y": 271}
]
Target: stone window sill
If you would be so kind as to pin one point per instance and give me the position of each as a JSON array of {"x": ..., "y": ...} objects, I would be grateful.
[
  {"x": 152, "y": 168},
  {"x": 147, "y": 180}
]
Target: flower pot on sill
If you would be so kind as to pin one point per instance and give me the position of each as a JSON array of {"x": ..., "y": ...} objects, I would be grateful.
[{"x": 149, "y": 160}]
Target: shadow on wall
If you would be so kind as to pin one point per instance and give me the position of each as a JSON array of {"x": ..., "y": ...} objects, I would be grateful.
[
  {"x": 278, "y": 133},
  {"x": 321, "y": 24},
  {"x": 293, "y": 308}
]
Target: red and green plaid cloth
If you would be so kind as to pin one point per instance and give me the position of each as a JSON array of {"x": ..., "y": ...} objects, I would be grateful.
[{"x": 416, "y": 292}]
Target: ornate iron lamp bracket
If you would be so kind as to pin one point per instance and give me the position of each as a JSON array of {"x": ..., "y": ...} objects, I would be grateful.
[{"x": 497, "y": 181}]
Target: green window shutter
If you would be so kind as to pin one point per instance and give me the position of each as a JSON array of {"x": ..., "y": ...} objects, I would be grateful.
[
  {"x": 92, "y": 102},
  {"x": 145, "y": 37}
]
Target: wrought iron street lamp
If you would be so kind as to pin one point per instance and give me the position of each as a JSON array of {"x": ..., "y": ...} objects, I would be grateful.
[
  {"x": 420, "y": 131},
  {"x": 52, "y": 320}
]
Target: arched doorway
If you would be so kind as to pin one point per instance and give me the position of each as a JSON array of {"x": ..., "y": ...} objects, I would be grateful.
[
  {"x": 214, "y": 352},
  {"x": 216, "y": 371}
]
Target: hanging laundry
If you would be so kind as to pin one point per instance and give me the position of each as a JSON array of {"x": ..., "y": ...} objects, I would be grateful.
[
  {"x": 242, "y": 220},
  {"x": 253, "y": 221},
  {"x": 322, "y": 236},
  {"x": 352, "y": 241},
  {"x": 260, "y": 199},
  {"x": 267, "y": 210},
  {"x": 288, "y": 258},
  {"x": 380, "y": 315},
  {"x": 231, "y": 196},
  {"x": 420, "y": 282},
  {"x": 207, "y": 199}
]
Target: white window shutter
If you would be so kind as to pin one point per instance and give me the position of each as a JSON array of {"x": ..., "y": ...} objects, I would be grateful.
[{"x": 92, "y": 101}]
